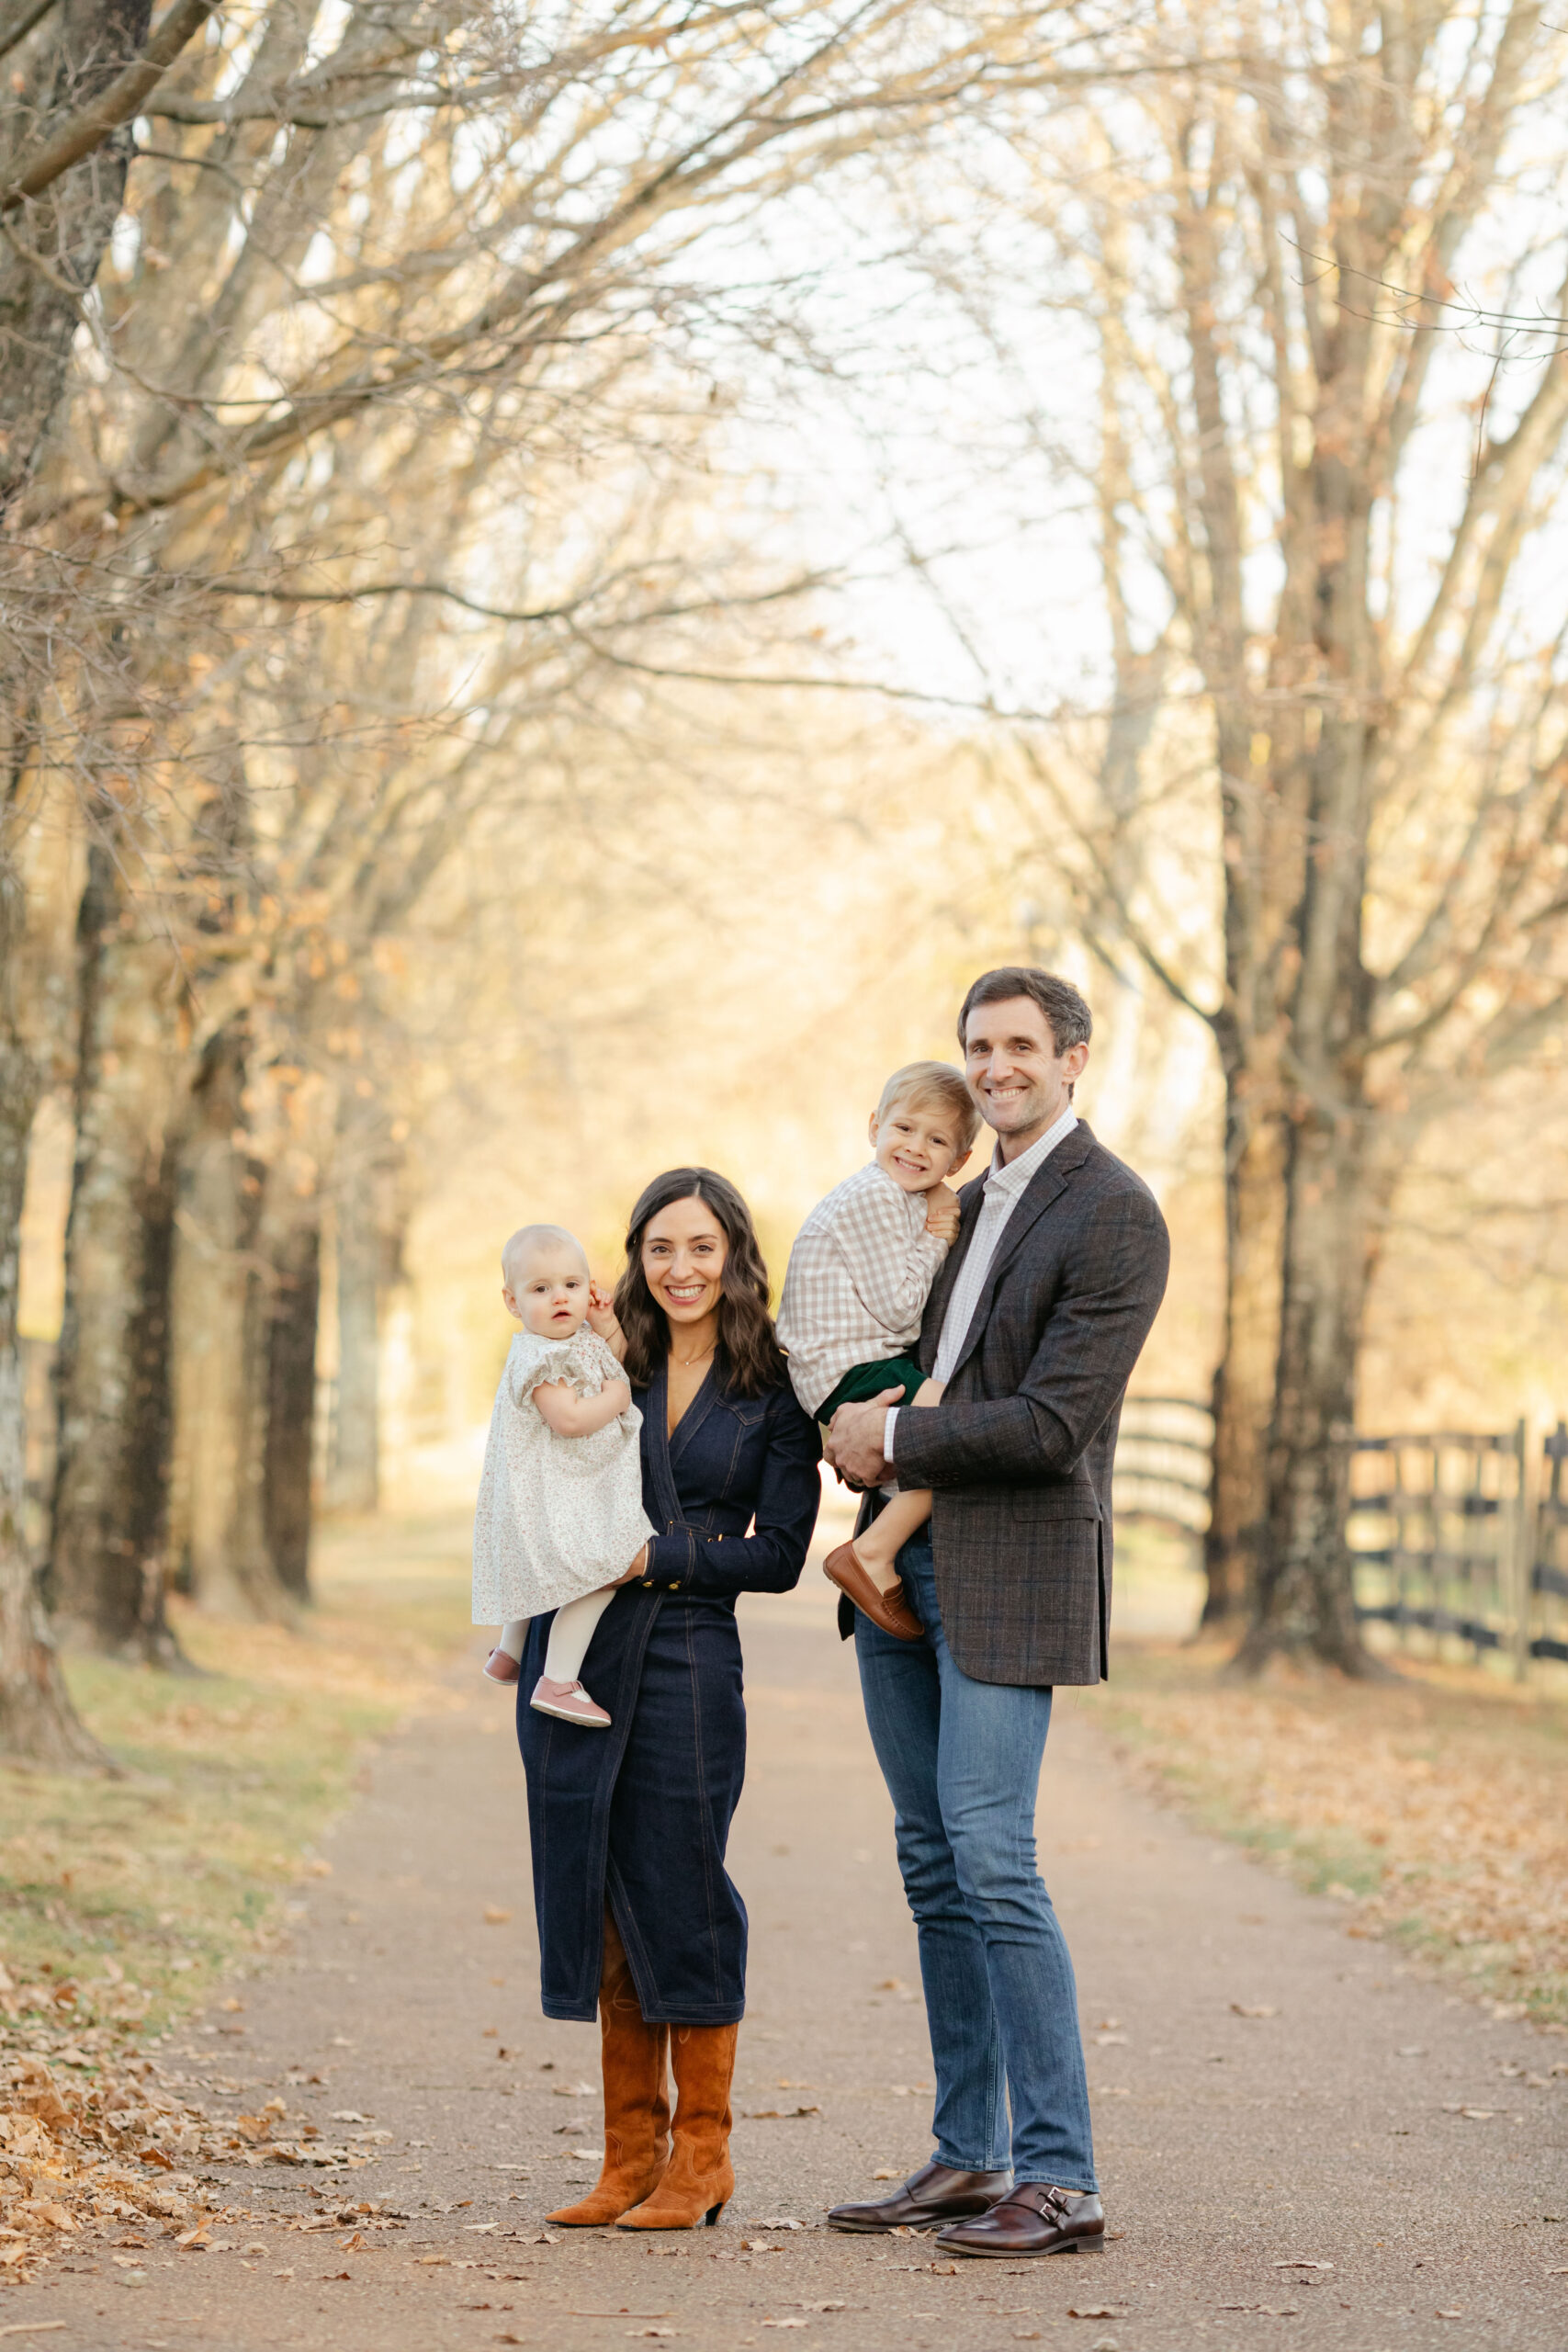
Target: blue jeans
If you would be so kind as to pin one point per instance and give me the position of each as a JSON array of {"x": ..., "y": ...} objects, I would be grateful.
[{"x": 961, "y": 1763}]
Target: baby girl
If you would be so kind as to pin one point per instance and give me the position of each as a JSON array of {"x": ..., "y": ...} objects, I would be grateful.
[
  {"x": 560, "y": 1518},
  {"x": 859, "y": 1275}
]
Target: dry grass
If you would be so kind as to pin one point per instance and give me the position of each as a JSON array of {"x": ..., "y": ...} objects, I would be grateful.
[
  {"x": 122, "y": 1901},
  {"x": 1435, "y": 1806}
]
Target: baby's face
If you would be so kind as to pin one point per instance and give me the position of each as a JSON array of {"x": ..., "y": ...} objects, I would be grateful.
[
  {"x": 548, "y": 1290},
  {"x": 918, "y": 1144}
]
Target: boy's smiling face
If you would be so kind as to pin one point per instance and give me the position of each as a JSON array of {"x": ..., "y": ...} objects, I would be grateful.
[{"x": 918, "y": 1144}]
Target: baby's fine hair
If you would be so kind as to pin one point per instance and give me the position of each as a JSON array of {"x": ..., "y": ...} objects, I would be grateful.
[
  {"x": 524, "y": 1238},
  {"x": 934, "y": 1083}
]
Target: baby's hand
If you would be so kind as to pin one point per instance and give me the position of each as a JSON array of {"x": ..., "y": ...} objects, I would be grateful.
[
  {"x": 602, "y": 1318},
  {"x": 941, "y": 1213}
]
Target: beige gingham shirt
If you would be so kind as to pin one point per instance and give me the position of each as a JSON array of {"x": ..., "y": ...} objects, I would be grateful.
[{"x": 860, "y": 1273}]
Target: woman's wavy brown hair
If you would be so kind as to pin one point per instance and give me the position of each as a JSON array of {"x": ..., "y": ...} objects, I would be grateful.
[{"x": 750, "y": 1361}]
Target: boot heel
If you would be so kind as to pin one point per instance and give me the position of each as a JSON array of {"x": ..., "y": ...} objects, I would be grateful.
[
  {"x": 712, "y": 2213},
  {"x": 1090, "y": 2245}
]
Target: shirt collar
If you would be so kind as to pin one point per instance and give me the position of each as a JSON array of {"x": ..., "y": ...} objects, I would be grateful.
[{"x": 1010, "y": 1180}]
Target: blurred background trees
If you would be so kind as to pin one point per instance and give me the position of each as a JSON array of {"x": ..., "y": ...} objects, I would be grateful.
[{"x": 569, "y": 578}]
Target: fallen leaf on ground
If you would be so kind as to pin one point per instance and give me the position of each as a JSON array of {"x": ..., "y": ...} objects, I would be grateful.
[
  {"x": 496, "y": 1914},
  {"x": 778, "y": 2114},
  {"x": 1453, "y": 2314},
  {"x": 758, "y": 2222},
  {"x": 1300, "y": 2262},
  {"x": 1098, "y": 2310},
  {"x": 887, "y": 2173},
  {"x": 1240, "y": 2009}
]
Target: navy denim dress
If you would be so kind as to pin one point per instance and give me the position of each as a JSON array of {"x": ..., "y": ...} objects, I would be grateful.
[{"x": 638, "y": 1817}]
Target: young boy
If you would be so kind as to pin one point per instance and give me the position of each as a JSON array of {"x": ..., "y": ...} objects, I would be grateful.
[{"x": 859, "y": 1275}]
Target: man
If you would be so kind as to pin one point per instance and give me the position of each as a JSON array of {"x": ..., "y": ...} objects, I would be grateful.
[{"x": 1034, "y": 1324}]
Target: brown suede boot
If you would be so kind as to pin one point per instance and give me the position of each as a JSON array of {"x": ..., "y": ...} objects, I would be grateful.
[
  {"x": 699, "y": 2182},
  {"x": 637, "y": 2105}
]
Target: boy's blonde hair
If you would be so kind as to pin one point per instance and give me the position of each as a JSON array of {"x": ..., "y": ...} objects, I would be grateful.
[{"x": 934, "y": 1083}]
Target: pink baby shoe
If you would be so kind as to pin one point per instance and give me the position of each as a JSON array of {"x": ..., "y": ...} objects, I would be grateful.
[
  {"x": 569, "y": 1702},
  {"x": 501, "y": 1669}
]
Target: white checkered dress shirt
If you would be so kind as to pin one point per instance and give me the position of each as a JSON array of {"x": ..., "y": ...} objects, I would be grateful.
[
  {"x": 1005, "y": 1187},
  {"x": 860, "y": 1273}
]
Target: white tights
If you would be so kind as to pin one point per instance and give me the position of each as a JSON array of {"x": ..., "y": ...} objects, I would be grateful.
[{"x": 569, "y": 1635}]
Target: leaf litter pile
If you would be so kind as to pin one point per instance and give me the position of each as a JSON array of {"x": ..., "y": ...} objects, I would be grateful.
[
  {"x": 1434, "y": 1806},
  {"x": 95, "y": 2138}
]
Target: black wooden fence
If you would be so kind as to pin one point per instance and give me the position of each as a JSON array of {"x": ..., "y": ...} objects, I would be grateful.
[
  {"x": 1163, "y": 1453},
  {"x": 1460, "y": 1539}
]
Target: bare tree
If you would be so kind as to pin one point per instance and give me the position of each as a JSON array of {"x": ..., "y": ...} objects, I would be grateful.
[{"x": 1328, "y": 534}]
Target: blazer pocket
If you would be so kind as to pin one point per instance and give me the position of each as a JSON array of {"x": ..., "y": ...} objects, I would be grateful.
[{"x": 1034, "y": 1506}]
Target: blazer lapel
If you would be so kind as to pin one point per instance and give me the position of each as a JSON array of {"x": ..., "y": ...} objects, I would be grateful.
[{"x": 1046, "y": 1186}]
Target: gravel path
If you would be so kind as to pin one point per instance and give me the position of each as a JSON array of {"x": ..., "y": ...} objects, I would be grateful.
[{"x": 1301, "y": 2143}]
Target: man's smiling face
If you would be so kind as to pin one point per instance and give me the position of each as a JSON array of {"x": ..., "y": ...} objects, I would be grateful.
[{"x": 1021, "y": 1082}]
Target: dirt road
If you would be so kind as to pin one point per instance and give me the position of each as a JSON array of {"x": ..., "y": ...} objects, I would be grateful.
[{"x": 1302, "y": 2144}]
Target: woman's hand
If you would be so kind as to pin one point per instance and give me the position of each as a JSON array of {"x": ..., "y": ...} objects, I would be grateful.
[
  {"x": 603, "y": 1319},
  {"x": 638, "y": 1569}
]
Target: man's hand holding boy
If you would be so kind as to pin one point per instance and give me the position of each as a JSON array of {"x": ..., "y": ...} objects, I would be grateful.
[{"x": 854, "y": 1440}]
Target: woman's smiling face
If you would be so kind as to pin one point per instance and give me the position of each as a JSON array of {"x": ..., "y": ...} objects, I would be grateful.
[{"x": 684, "y": 1253}]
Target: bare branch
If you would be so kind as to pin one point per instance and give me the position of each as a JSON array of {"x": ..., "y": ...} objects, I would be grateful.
[{"x": 122, "y": 99}]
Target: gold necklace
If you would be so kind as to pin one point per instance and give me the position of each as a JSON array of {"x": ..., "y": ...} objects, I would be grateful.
[{"x": 687, "y": 1362}]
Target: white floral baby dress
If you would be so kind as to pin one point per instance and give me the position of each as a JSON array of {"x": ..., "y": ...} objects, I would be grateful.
[{"x": 557, "y": 1516}]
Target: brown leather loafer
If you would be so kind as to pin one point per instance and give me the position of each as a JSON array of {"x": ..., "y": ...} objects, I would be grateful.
[
  {"x": 1033, "y": 2218},
  {"x": 891, "y": 1610},
  {"x": 929, "y": 2198}
]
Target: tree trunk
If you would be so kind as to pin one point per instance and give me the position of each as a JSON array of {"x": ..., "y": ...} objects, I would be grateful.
[
  {"x": 38, "y": 1723},
  {"x": 354, "y": 1479},
  {"x": 292, "y": 1246},
  {"x": 68, "y": 227},
  {"x": 1305, "y": 1601},
  {"x": 107, "y": 1564},
  {"x": 220, "y": 1325},
  {"x": 1243, "y": 1400}
]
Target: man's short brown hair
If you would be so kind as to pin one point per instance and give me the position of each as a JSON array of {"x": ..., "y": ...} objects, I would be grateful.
[
  {"x": 1067, "y": 1015},
  {"x": 934, "y": 1083}
]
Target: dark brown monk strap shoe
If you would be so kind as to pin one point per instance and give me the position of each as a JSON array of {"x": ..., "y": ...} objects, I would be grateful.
[
  {"x": 1033, "y": 2218},
  {"x": 929, "y": 2198}
]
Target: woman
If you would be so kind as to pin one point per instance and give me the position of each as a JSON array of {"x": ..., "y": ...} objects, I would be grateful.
[{"x": 637, "y": 1913}]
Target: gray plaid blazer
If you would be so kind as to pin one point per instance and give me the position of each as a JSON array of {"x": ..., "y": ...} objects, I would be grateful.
[{"x": 1018, "y": 1451}]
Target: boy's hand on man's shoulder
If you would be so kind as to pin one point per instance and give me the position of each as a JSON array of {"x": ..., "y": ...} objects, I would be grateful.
[{"x": 941, "y": 1213}]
